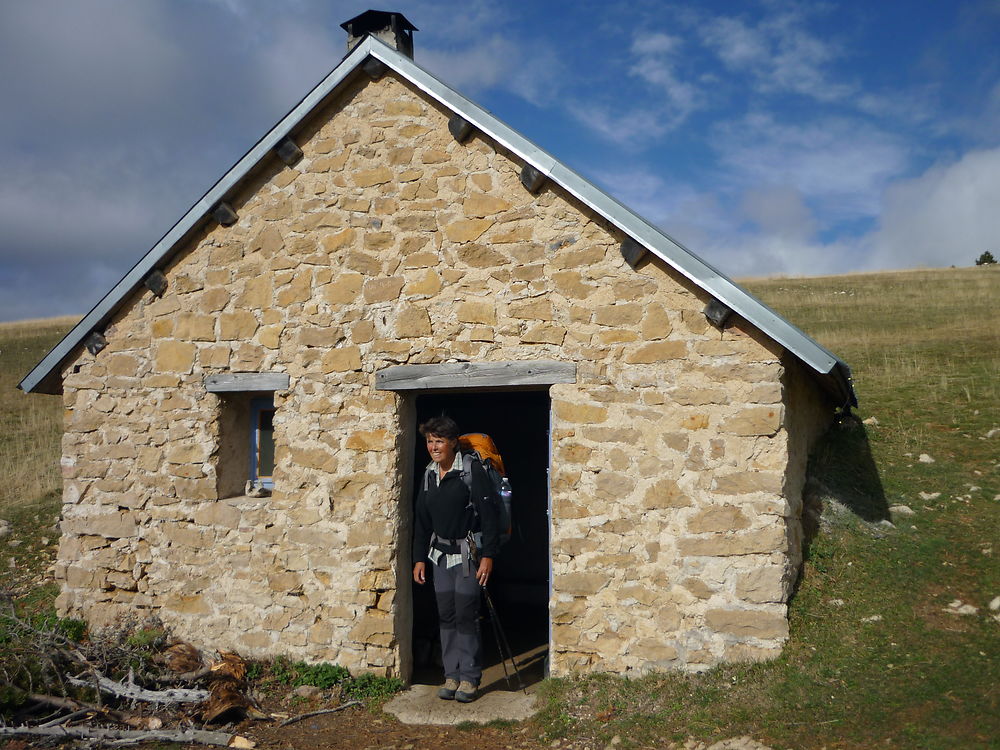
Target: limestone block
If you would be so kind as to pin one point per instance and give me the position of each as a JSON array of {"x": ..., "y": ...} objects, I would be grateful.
[
  {"x": 759, "y": 542},
  {"x": 580, "y": 584},
  {"x": 270, "y": 336},
  {"x": 579, "y": 413},
  {"x": 175, "y": 356},
  {"x": 467, "y": 230},
  {"x": 378, "y": 241},
  {"x": 544, "y": 334},
  {"x": 535, "y": 309},
  {"x": 574, "y": 453},
  {"x": 748, "y": 623},
  {"x": 587, "y": 256},
  {"x": 187, "y": 452},
  {"x": 624, "y": 314},
  {"x": 345, "y": 289},
  {"x": 659, "y": 351},
  {"x": 218, "y": 514},
  {"x": 743, "y": 482},
  {"x": 332, "y": 163},
  {"x": 717, "y": 518},
  {"x": 370, "y": 177},
  {"x": 363, "y": 332},
  {"x": 477, "y": 311},
  {"x": 688, "y": 395},
  {"x": 313, "y": 458},
  {"x": 370, "y": 440},
  {"x": 665, "y": 493},
  {"x": 187, "y": 604},
  {"x": 123, "y": 364},
  {"x": 383, "y": 289},
  {"x": 697, "y": 587},
  {"x": 481, "y": 256},
  {"x": 342, "y": 359},
  {"x": 653, "y": 650},
  {"x": 613, "y": 487},
  {"x": 237, "y": 326},
  {"x": 762, "y": 585},
  {"x": 481, "y": 205},
  {"x": 333, "y": 243},
  {"x": 412, "y": 322},
  {"x": 570, "y": 284},
  {"x": 759, "y": 420},
  {"x": 363, "y": 263}
]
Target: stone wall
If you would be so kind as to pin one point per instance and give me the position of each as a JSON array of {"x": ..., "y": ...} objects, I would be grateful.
[{"x": 391, "y": 243}]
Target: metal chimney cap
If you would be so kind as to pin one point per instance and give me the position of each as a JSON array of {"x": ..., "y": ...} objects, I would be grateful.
[{"x": 375, "y": 20}]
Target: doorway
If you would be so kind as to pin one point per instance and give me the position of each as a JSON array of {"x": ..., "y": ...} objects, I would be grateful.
[{"x": 518, "y": 422}]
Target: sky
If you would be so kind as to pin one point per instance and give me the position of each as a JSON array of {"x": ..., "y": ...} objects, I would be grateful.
[{"x": 769, "y": 138}]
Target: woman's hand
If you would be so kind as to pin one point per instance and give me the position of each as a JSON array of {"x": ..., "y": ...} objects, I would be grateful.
[
  {"x": 420, "y": 572},
  {"x": 485, "y": 568}
]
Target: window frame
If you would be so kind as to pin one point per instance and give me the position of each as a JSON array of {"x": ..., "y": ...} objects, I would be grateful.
[{"x": 259, "y": 405}]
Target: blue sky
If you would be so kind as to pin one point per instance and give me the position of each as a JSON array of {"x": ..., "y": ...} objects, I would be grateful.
[{"x": 767, "y": 137}]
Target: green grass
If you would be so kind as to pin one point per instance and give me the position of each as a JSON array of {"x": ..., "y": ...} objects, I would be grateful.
[{"x": 30, "y": 495}]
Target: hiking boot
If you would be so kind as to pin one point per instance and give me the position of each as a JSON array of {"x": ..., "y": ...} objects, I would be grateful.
[
  {"x": 447, "y": 691},
  {"x": 466, "y": 692}
]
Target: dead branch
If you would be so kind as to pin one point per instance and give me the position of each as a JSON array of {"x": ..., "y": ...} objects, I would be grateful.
[
  {"x": 131, "y": 736},
  {"x": 309, "y": 715},
  {"x": 192, "y": 676},
  {"x": 132, "y": 691},
  {"x": 78, "y": 708}
]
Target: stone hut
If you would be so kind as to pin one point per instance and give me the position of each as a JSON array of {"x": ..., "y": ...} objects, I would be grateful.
[{"x": 387, "y": 251}]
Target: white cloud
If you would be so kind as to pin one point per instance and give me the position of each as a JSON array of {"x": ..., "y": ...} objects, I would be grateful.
[
  {"x": 946, "y": 216},
  {"x": 656, "y": 62},
  {"x": 840, "y": 163},
  {"x": 779, "y": 53}
]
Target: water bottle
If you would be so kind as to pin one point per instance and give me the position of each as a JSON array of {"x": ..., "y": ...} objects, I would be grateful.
[{"x": 505, "y": 491}]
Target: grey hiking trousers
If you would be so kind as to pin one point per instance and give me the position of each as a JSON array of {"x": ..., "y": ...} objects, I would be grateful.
[{"x": 458, "y": 613}]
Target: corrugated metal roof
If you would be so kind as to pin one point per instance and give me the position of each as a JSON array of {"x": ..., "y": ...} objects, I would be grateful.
[{"x": 834, "y": 373}]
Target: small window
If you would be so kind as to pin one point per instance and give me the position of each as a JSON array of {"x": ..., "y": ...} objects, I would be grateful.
[{"x": 262, "y": 442}]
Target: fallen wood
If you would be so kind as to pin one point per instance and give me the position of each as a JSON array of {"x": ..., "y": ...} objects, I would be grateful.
[
  {"x": 309, "y": 715},
  {"x": 129, "y": 736},
  {"x": 79, "y": 708},
  {"x": 134, "y": 692}
]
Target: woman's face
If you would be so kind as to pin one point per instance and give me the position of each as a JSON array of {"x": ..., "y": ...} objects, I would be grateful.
[{"x": 442, "y": 449}]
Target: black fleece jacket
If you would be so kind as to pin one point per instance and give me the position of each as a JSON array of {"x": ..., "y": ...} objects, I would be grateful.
[{"x": 443, "y": 510}]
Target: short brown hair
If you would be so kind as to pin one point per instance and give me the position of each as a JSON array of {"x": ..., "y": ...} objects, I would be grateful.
[{"x": 441, "y": 427}]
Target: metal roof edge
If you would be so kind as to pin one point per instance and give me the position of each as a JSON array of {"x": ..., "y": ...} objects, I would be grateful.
[{"x": 659, "y": 243}]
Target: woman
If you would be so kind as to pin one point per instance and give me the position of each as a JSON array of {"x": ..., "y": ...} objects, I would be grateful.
[{"x": 455, "y": 498}]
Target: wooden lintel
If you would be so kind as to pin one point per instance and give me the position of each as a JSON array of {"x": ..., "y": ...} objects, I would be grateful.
[
  {"x": 231, "y": 382},
  {"x": 374, "y": 69},
  {"x": 531, "y": 178},
  {"x": 156, "y": 282},
  {"x": 224, "y": 214},
  {"x": 95, "y": 342},
  {"x": 288, "y": 151},
  {"x": 475, "y": 375},
  {"x": 460, "y": 128},
  {"x": 717, "y": 313},
  {"x": 632, "y": 252}
]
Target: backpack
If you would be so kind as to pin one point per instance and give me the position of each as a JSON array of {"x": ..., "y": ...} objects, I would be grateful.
[{"x": 479, "y": 447}]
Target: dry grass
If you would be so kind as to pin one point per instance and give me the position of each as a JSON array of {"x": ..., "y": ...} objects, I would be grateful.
[{"x": 30, "y": 424}]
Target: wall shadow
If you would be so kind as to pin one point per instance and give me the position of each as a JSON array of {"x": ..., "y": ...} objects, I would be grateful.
[{"x": 842, "y": 469}]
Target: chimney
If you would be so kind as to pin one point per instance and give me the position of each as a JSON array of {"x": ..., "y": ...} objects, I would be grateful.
[{"x": 391, "y": 28}]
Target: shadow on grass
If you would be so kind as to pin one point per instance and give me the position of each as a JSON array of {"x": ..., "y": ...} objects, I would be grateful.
[{"x": 842, "y": 469}]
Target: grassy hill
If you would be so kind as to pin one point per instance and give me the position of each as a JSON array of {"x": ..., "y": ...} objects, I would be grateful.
[{"x": 880, "y": 654}]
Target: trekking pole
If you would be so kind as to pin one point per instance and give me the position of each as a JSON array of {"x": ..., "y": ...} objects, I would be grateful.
[
  {"x": 501, "y": 636},
  {"x": 495, "y": 621}
]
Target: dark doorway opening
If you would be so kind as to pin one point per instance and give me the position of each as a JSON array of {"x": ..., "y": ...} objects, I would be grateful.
[{"x": 518, "y": 421}]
